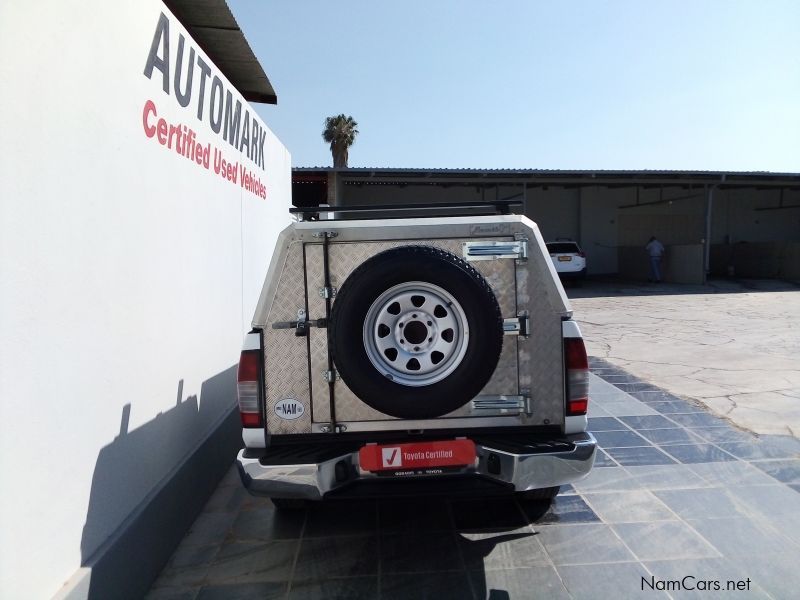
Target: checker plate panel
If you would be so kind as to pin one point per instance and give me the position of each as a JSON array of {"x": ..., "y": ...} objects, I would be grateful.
[{"x": 289, "y": 360}]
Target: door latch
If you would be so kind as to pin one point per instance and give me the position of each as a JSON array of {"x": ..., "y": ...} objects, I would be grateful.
[{"x": 302, "y": 324}]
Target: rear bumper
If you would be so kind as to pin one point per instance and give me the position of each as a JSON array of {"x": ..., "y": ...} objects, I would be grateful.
[
  {"x": 576, "y": 274},
  {"x": 507, "y": 463}
]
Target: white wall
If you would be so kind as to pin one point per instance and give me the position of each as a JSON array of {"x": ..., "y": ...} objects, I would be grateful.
[{"x": 129, "y": 274}]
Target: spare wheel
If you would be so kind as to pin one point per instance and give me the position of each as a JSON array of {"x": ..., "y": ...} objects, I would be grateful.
[{"x": 416, "y": 332}]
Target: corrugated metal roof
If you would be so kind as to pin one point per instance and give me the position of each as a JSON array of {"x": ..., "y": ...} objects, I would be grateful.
[
  {"x": 214, "y": 28},
  {"x": 577, "y": 176},
  {"x": 582, "y": 172}
]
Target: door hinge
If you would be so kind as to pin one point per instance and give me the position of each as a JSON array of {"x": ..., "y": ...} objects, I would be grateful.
[
  {"x": 492, "y": 250},
  {"x": 326, "y": 428},
  {"x": 517, "y": 326},
  {"x": 327, "y": 292},
  {"x": 330, "y": 376},
  {"x": 526, "y": 393},
  {"x": 500, "y": 403}
]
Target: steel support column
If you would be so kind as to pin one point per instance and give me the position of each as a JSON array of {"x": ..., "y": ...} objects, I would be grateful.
[
  {"x": 707, "y": 239},
  {"x": 525, "y": 199}
]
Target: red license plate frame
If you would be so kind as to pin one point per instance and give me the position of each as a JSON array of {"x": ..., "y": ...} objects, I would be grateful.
[{"x": 412, "y": 456}]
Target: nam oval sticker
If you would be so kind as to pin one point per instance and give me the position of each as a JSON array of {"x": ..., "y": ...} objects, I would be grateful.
[{"x": 289, "y": 409}]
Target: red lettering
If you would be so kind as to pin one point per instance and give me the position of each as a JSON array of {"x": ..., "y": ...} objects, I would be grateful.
[
  {"x": 161, "y": 131},
  {"x": 172, "y": 131},
  {"x": 187, "y": 145},
  {"x": 149, "y": 107}
]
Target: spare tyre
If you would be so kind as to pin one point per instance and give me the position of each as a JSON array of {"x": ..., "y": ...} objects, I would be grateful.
[{"x": 416, "y": 332}]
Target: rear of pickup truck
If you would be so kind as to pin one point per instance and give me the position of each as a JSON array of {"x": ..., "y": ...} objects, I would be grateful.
[{"x": 413, "y": 356}]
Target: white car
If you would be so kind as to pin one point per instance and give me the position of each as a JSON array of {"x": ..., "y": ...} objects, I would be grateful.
[{"x": 568, "y": 259}]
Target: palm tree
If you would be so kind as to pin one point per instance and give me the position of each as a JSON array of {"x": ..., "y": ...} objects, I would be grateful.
[{"x": 340, "y": 132}]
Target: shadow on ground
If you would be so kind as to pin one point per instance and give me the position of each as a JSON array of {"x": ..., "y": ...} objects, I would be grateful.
[
  {"x": 150, "y": 483},
  {"x": 431, "y": 547}
]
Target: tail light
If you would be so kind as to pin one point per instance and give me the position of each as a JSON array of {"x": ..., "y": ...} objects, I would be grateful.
[
  {"x": 247, "y": 382},
  {"x": 582, "y": 254},
  {"x": 577, "y": 365}
]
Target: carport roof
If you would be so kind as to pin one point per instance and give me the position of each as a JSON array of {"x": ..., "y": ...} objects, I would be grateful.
[
  {"x": 213, "y": 27},
  {"x": 559, "y": 176}
]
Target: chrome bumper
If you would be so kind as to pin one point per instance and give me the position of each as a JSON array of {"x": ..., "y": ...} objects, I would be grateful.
[{"x": 520, "y": 471}]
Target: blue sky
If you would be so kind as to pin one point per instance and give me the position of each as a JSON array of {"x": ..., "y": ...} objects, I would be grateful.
[{"x": 564, "y": 85}]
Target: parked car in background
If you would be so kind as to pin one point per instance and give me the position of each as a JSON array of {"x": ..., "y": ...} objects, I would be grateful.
[{"x": 568, "y": 259}]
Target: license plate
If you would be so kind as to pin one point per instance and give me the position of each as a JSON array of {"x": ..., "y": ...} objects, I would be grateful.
[
  {"x": 564, "y": 258},
  {"x": 418, "y": 455}
]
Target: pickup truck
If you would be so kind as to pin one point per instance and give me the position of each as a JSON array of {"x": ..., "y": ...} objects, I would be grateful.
[{"x": 410, "y": 356}]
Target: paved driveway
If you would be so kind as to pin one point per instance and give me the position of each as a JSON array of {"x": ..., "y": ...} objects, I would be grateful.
[
  {"x": 676, "y": 493},
  {"x": 734, "y": 346}
]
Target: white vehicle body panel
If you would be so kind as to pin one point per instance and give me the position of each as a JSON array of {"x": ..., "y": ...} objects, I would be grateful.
[
  {"x": 567, "y": 260},
  {"x": 575, "y": 264}
]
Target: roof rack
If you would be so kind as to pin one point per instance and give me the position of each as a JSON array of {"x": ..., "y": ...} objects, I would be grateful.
[{"x": 399, "y": 211}]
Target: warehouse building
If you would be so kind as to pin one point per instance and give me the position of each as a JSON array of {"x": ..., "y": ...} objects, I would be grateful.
[{"x": 712, "y": 223}]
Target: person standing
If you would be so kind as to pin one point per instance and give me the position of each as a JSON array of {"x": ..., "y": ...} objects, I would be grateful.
[{"x": 656, "y": 251}]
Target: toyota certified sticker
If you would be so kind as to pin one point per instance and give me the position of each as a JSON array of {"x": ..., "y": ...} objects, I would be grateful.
[{"x": 418, "y": 455}]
